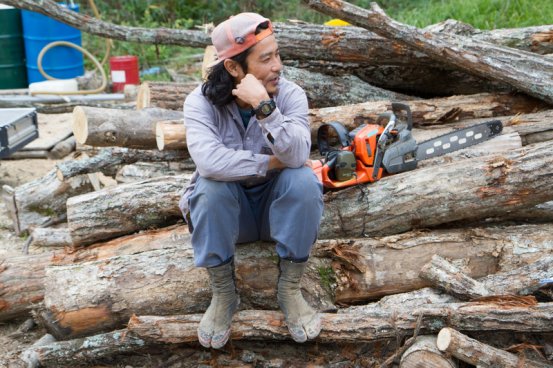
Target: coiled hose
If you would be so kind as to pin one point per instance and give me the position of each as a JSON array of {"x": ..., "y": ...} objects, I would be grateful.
[{"x": 97, "y": 64}]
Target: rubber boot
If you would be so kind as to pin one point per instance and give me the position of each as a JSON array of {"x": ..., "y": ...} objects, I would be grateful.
[
  {"x": 214, "y": 329},
  {"x": 302, "y": 320}
]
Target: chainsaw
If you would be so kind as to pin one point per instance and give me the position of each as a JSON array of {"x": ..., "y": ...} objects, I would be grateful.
[{"x": 386, "y": 147}]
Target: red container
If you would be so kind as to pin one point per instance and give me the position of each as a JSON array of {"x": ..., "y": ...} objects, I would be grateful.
[{"x": 124, "y": 70}]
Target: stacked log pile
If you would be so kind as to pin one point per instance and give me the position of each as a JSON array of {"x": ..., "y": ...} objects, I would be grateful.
[{"x": 432, "y": 261}]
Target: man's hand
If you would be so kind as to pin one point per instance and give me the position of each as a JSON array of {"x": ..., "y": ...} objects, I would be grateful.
[
  {"x": 274, "y": 163},
  {"x": 251, "y": 91}
]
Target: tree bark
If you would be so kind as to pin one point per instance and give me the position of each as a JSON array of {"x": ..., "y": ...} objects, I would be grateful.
[
  {"x": 355, "y": 327},
  {"x": 438, "y": 111},
  {"x": 123, "y": 128},
  {"x": 98, "y": 216},
  {"x": 149, "y": 170},
  {"x": 381, "y": 62},
  {"x": 426, "y": 197},
  {"x": 474, "y": 352},
  {"x": 523, "y": 280},
  {"x": 93, "y": 296},
  {"x": 109, "y": 158},
  {"x": 324, "y": 90},
  {"x": 121, "y": 277},
  {"x": 522, "y": 70},
  {"x": 22, "y": 284},
  {"x": 62, "y": 149},
  {"x": 87, "y": 349},
  {"x": 366, "y": 269},
  {"x": 449, "y": 278},
  {"x": 435, "y": 111},
  {"x": 520, "y": 281},
  {"x": 42, "y": 202},
  {"x": 424, "y": 353},
  {"x": 164, "y": 95},
  {"x": 50, "y": 237},
  {"x": 112, "y": 212},
  {"x": 303, "y": 41}
]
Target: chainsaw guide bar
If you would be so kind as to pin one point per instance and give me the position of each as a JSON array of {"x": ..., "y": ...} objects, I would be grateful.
[{"x": 458, "y": 140}]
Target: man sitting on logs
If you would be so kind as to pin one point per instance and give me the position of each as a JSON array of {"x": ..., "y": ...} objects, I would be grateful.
[{"x": 248, "y": 134}]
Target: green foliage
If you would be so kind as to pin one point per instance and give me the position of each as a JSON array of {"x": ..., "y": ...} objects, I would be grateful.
[
  {"x": 483, "y": 14},
  {"x": 328, "y": 277}
]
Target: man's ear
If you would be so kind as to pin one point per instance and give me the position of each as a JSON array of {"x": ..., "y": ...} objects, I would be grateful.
[{"x": 233, "y": 67}]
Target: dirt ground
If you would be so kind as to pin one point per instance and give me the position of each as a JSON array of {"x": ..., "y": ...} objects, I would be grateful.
[{"x": 14, "y": 173}]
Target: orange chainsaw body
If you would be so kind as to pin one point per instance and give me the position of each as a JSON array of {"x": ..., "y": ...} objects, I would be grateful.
[{"x": 364, "y": 148}]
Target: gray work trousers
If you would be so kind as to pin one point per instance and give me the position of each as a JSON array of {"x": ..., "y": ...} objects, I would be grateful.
[{"x": 287, "y": 209}]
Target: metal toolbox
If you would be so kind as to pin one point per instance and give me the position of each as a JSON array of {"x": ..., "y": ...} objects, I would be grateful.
[{"x": 17, "y": 128}]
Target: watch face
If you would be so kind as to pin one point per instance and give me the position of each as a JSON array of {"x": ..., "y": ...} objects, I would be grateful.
[{"x": 266, "y": 109}]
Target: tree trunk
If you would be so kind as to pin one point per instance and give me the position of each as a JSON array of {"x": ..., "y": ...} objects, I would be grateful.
[
  {"x": 109, "y": 158},
  {"x": 425, "y": 112},
  {"x": 324, "y": 90},
  {"x": 93, "y": 296},
  {"x": 432, "y": 111},
  {"x": 170, "y": 134},
  {"x": 520, "y": 281},
  {"x": 42, "y": 202},
  {"x": 424, "y": 354},
  {"x": 366, "y": 269},
  {"x": 426, "y": 197},
  {"x": 522, "y": 70},
  {"x": 523, "y": 280},
  {"x": 87, "y": 349},
  {"x": 450, "y": 279},
  {"x": 497, "y": 184},
  {"x": 112, "y": 212},
  {"x": 121, "y": 277},
  {"x": 22, "y": 284},
  {"x": 50, "y": 237},
  {"x": 164, "y": 95},
  {"x": 305, "y": 41},
  {"x": 377, "y": 60},
  {"x": 356, "y": 327},
  {"x": 149, "y": 170},
  {"x": 122, "y": 128},
  {"x": 476, "y": 353},
  {"x": 62, "y": 149}
]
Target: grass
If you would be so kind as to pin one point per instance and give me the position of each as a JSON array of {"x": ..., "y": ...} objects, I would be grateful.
[{"x": 483, "y": 14}]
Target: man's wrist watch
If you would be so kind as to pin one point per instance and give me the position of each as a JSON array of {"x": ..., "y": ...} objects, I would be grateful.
[{"x": 264, "y": 109}]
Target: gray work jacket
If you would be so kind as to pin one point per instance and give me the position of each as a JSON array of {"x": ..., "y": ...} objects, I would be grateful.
[{"x": 224, "y": 150}]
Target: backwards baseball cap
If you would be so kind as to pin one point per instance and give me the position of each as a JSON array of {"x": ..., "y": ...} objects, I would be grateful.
[{"x": 237, "y": 34}]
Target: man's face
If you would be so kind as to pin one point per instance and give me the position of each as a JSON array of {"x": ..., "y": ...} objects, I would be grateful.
[{"x": 264, "y": 63}]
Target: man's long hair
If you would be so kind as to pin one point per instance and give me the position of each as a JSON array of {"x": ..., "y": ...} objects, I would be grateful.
[{"x": 219, "y": 84}]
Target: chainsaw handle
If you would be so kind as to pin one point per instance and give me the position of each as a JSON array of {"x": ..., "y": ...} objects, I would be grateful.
[{"x": 397, "y": 107}]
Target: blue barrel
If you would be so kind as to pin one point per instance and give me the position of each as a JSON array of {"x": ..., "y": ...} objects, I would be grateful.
[
  {"x": 12, "y": 56},
  {"x": 60, "y": 62}
]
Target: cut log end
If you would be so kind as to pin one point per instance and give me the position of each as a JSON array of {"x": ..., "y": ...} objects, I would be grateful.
[
  {"x": 143, "y": 96},
  {"x": 170, "y": 135},
  {"x": 80, "y": 125},
  {"x": 444, "y": 339},
  {"x": 425, "y": 359},
  {"x": 159, "y": 137}
]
